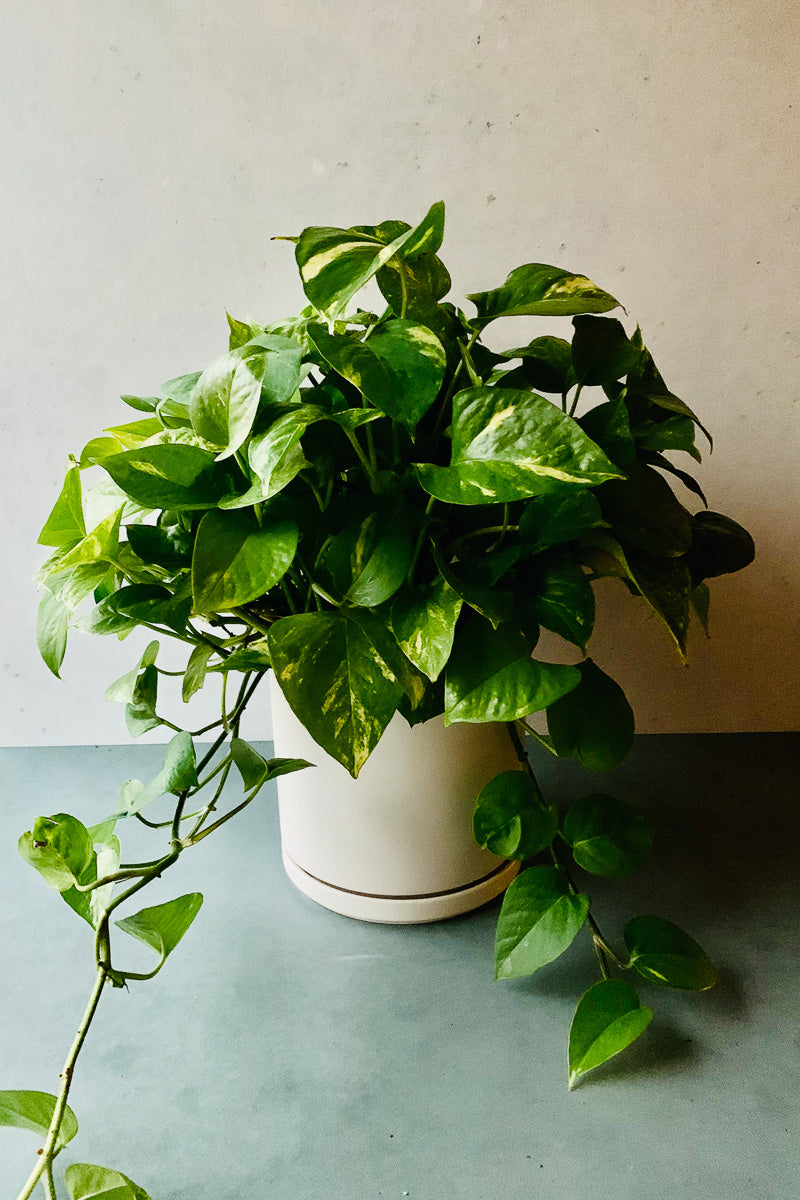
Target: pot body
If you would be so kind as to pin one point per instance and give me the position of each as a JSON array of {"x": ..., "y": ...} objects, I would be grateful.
[{"x": 396, "y": 844}]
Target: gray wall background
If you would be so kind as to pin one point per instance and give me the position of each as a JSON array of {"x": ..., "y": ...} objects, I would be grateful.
[{"x": 150, "y": 151}]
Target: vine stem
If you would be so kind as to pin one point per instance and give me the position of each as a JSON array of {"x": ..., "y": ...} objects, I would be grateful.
[
  {"x": 601, "y": 946},
  {"x": 46, "y": 1155}
]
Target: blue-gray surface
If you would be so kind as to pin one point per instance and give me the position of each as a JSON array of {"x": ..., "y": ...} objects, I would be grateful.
[{"x": 288, "y": 1053}]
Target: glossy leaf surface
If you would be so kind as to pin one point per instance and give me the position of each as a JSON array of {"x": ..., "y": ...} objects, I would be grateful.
[
  {"x": 510, "y": 820},
  {"x": 593, "y": 721},
  {"x": 543, "y": 291},
  {"x": 608, "y": 1018},
  {"x": 336, "y": 682},
  {"x": 539, "y": 919},
  {"x": 236, "y": 559},
  {"x": 607, "y": 836},
  {"x": 663, "y": 953},
  {"x": 399, "y": 370},
  {"x": 424, "y": 620},
  {"x": 162, "y": 926},
  {"x": 171, "y": 477},
  {"x": 492, "y": 677}
]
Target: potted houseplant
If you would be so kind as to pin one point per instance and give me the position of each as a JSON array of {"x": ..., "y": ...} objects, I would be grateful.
[{"x": 382, "y": 512}]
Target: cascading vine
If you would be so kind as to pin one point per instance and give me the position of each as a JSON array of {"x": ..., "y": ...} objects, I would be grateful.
[{"x": 384, "y": 510}]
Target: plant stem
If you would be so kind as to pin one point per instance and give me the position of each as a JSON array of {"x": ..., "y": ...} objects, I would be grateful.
[
  {"x": 601, "y": 946},
  {"x": 46, "y": 1156},
  {"x": 362, "y": 458},
  {"x": 575, "y": 400}
]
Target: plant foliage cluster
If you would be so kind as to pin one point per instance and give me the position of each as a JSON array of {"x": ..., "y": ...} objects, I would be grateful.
[{"x": 385, "y": 512}]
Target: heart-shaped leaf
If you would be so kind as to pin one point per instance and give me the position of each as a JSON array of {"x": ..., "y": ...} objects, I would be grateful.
[
  {"x": 607, "y": 836},
  {"x": 593, "y": 721},
  {"x": 85, "y": 1181},
  {"x": 65, "y": 524},
  {"x": 510, "y": 819},
  {"x": 34, "y": 1111},
  {"x": 539, "y": 919},
  {"x": 491, "y": 676},
  {"x": 162, "y": 926},
  {"x": 236, "y": 559},
  {"x": 663, "y": 953},
  {"x": 608, "y": 1018},
  {"x": 423, "y": 621},
  {"x": 336, "y": 682},
  {"x": 537, "y": 289}
]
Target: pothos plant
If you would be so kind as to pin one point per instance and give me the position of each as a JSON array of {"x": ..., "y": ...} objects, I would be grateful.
[{"x": 384, "y": 511}]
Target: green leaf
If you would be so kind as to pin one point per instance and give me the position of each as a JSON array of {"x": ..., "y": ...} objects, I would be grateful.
[
  {"x": 608, "y": 426},
  {"x": 336, "y": 682},
  {"x": 275, "y": 456},
  {"x": 399, "y": 370},
  {"x": 236, "y": 559},
  {"x": 719, "y": 546},
  {"x": 492, "y": 677},
  {"x": 676, "y": 433},
  {"x": 178, "y": 773},
  {"x": 240, "y": 332},
  {"x": 643, "y": 512},
  {"x": 539, "y": 919},
  {"x": 34, "y": 1111},
  {"x": 495, "y": 604},
  {"x": 664, "y": 954},
  {"x": 608, "y": 1018},
  {"x": 510, "y": 820},
  {"x": 369, "y": 560},
  {"x": 334, "y": 264},
  {"x": 195, "y": 674},
  {"x": 171, "y": 476},
  {"x": 546, "y": 365},
  {"x": 562, "y": 600},
  {"x": 423, "y": 620},
  {"x": 141, "y": 603},
  {"x": 593, "y": 721},
  {"x": 224, "y": 403},
  {"x": 688, "y": 481},
  {"x": 427, "y": 237},
  {"x": 665, "y": 583},
  {"x": 140, "y": 713},
  {"x": 101, "y": 545},
  {"x": 60, "y": 849},
  {"x": 85, "y": 1181},
  {"x": 413, "y": 289},
  {"x": 542, "y": 291},
  {"x": 607, "y": 836},
  {"x": 163, "y": 926},
  {"x": 601, "y": 350},
  {"x": 121, "y": 691},
  {"x": 140, "y": 403},
  {"x": 51, "y": 631},
  {"x": 168, "y": 546},
  {"x": 700, "y": 600},
  {"x": 510, "y": 445},
  {"x": 253, "y": 657},
  {"x": 256, "y": 770},
  {"x": 65, "y": 523},
  {"x": 133, "y": 434},
  {"x": 560, "y": 516}
]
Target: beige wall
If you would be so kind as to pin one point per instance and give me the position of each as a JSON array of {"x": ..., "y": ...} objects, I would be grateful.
[{"x": 151, "y": 150}]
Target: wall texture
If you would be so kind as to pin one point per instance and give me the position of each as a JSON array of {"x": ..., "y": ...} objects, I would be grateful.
[{"x": 150, "y": 151}]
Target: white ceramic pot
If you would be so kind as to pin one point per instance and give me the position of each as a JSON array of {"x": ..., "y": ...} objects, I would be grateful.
[{"x": 396, "y": 844}]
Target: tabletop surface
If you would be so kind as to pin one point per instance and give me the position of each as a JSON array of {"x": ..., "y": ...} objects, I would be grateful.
[{"x": 285, "y": 1052}]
